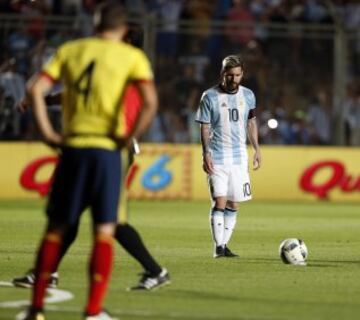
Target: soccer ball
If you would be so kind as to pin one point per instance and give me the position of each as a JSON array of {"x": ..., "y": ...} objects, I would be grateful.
[{"x": 293, "y": 251}]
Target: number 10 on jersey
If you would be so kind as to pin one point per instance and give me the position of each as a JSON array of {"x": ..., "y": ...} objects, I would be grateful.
[{"x": 233, "y": 115}]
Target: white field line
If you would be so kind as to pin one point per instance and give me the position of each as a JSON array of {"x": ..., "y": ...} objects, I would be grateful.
[
  {"x": 153, "y": 315},
  {"x": 55, "y": 296}
]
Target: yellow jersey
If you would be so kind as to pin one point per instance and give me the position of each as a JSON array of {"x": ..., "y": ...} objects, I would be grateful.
[{"x": 94, "y": 73}]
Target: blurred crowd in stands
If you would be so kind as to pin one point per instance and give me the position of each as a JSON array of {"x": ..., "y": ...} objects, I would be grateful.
[{"x": 290, "y": 69}]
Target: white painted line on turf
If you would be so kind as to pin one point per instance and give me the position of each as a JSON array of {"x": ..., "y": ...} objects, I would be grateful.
[
  {"x": 158, "y": 315},
  {"x": 21, "y": 315},
  {"x": 62, "y": 295},
  {"x": 55, "y": 296}
]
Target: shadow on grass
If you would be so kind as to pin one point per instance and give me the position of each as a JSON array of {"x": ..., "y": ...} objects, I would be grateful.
[
  {"x": 201, "y": 295},
  {"x": 311, "y": 262},
  {"x": 262, "y": 260},
  {"x": 332, "y": 263}
]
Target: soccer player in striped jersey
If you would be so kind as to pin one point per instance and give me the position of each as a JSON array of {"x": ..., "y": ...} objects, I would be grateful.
[
  {"x": 94, "y": 73},
  {"x": 227, "y": 116}
]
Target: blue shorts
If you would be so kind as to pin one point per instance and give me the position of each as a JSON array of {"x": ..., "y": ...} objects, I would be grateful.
[{"x": 85, "y": 177}]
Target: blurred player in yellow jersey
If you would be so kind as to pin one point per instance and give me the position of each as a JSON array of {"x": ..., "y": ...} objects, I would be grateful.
[
  {"x": 94, "y": 73},
  {"x": 154, "y": 276}
]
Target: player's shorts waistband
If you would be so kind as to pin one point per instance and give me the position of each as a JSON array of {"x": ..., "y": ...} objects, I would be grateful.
[{"x": 91, "y": 140}]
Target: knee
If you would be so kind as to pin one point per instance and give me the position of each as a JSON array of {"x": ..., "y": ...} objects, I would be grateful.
[
  {"x": 105, "y": 229},
  {"x": 220, "y": 203},
  {"x": 232, "y": 205}
]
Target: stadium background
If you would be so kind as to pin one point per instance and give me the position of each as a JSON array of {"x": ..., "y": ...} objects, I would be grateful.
[{"x": 302, "y": 62}]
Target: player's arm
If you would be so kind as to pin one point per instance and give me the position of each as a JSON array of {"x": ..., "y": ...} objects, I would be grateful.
[
  {"x": 203, "y": 116},
  {"x": 36, "y": 90},
  {"x": 149, "y": 107},
  {"x": 253, "y": 138},
  {"x": 24, "y": 104},
  {"x": 205, "y": 143}
]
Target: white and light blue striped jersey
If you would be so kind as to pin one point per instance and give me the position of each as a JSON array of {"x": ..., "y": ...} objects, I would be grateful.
[{"x": 227, "y": 115}]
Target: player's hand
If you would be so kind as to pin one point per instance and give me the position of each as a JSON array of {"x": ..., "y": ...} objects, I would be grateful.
[
  {"x": 257, "y": 160},
  {"x": 22, "y": 105},
  {"x": 55, "y": 141},
  {"x": 124, "y": 142},
  {"x": 208, "y": 165}
]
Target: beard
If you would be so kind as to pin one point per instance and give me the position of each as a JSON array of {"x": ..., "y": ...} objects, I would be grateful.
[{"x": 232, "y": 86}]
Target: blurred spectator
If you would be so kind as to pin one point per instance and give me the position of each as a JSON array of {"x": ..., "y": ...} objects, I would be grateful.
[
  {"x": 300, "y": 133},
  {"x": 240, "y": 34},
  {"x": 168, "y": 12},
  {"x": 11, "y": 81},
  {"x": 258, "y": 9},
  {"x": 296, "y": 16},
  {"x": 40, "y": 54},
  {"x": 352, "y": 116},
  {"x": 179, "y": 130},
  {"x": 59, "y": 37},
  {"x": 284, "y": 127},
  {"x": 352, "y": 21},
  {"x": 277, "y": 47},
  {"x": 319, "y": 119},
  {"x": 255, "y": 76},
  {"x": 156, "y": 132},
  {"x": 137, "y": 7},
  {"x": 201, "y": 12},
  {"x": 197, "y": 59},
  {"x": 67, "y": 7},
  {"x": 221, "y": 9},
  {"x": 316, "y": 12},
  {"x": 6, "y": 112},
  {"x": 187, "y": 89},
  {"x": 188, "y": 95},
  {"x": 280, "y": 127},
  {"x": 19, "y": 44},
  {"x": 13, "y": 86},
  {"x": 35, "y": 9},
  {"x": 83, "y": 21},
  {"x": 268, "y": 135}
]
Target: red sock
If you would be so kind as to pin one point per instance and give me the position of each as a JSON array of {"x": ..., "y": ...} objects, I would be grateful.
[
  {"x": 99, "y": 272},
  {"x": 46, "y": 264}
]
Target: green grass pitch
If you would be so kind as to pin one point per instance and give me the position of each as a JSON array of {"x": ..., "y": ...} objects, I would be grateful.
[{"x": 255, "y": 286}]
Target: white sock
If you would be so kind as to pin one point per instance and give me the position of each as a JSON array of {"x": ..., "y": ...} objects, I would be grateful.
[
  {"x": 217, "y": 225},
  {"x": 229, "y": 224}
]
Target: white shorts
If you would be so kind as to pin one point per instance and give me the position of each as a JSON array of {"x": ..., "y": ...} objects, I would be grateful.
[{"x": 230, "y": 181}]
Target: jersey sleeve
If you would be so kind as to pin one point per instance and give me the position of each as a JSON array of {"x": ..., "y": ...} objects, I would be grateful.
[
  {"x": 250, "y": 99},
  {"x": 142, "y": 68},
  {"x": 53, "y": 67},
  {"x": 203, "y": 114}
]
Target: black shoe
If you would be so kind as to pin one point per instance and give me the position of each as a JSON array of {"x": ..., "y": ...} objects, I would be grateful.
[
  {"x": 219, "y": 252},
  {"x": 33, "y": 315},
  {"x": 229, "y": 254},
  {"x": 149, "y": 282},
  {"x": 27, "y": 281}
]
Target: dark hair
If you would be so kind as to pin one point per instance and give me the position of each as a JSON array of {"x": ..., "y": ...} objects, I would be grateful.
[
  {"x": 109, "y": 16},
  {"x": 232, "y": 61}
]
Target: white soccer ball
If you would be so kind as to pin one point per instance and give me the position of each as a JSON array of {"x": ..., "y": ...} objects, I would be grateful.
[{"x": 293, "y": 251}]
